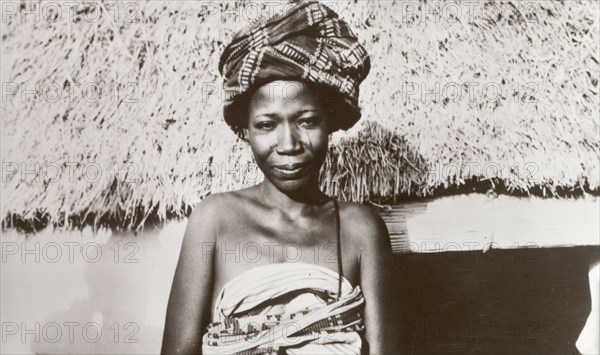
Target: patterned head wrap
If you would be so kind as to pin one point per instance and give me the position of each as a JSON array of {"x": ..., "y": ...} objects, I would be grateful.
[{"x": 308, "y": 43}]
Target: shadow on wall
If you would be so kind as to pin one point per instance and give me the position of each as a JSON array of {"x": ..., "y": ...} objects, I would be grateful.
[{"x": 503, "y": 301}]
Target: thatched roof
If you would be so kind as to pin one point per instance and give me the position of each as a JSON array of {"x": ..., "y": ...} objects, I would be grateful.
[{"x": 154, "y": 116}]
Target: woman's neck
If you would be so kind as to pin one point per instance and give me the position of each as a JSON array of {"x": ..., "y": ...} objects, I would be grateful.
[{"x": 294, "y": 203}]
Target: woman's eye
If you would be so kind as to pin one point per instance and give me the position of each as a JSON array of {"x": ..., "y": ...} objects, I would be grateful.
[
  {"x": 309, "y": 121},
  {"x": 265, "y": 125}
]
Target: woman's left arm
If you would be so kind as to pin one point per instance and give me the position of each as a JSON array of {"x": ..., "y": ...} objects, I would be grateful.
[{"x": 377, "y": 283}]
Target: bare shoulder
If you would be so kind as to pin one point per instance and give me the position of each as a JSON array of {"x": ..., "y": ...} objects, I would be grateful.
[
  {"x": 364, "y": 225},
  {"x": 207, "y": 217}
]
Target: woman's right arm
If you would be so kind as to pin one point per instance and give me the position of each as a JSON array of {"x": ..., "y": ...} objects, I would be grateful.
[{"x": 188, "y": 310}]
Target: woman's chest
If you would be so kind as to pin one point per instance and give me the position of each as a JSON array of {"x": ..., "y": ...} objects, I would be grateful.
[{"x": 236, "y": 253}]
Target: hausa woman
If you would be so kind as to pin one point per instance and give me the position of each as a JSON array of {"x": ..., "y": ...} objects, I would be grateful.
[{"x": 280, "y": 267}]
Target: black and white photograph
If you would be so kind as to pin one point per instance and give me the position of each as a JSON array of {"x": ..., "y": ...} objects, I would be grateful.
[{"x": 270, "y": 177}]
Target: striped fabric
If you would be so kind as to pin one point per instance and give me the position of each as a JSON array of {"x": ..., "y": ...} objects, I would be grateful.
[
  {"x": 307, "y": 42},
  {"x": 289, "y": 308}
]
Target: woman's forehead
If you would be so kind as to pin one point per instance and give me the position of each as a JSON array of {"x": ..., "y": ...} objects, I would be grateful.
[
  {"x": 285, "y": 89},
  {"x": 278, "y": 95}
]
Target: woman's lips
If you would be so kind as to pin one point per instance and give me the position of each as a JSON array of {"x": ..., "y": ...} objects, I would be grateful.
[{"x": 289, "y": 171}]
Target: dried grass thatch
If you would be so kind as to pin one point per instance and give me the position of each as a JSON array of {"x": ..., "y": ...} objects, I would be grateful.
[{"x": 154, "y": 119}]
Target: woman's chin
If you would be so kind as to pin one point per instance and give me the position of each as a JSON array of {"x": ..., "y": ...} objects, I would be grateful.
[
  {"x": 293, "y": 182},
  {"x": 292, "y": 185}
]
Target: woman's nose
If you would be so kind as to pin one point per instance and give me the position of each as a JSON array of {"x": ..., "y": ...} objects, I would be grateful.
[{"x": 289, "y": 141}]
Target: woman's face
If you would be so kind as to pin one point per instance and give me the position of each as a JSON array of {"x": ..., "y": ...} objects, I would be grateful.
[{"x": 288, "y": 133}]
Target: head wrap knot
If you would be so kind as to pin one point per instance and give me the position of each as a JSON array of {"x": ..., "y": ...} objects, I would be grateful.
[{"x": 307, "y": 42}]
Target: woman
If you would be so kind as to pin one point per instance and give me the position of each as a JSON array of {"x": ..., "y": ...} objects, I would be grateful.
[{"x": 281, "y": 267}]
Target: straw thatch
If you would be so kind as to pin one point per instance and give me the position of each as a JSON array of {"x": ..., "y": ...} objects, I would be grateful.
[{"x": 155, "y": 120}]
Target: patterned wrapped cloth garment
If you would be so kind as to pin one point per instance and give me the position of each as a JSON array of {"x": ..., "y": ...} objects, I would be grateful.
[
  {"x": 308, "y": 42},
  {"x": 286, "y": 308}
]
